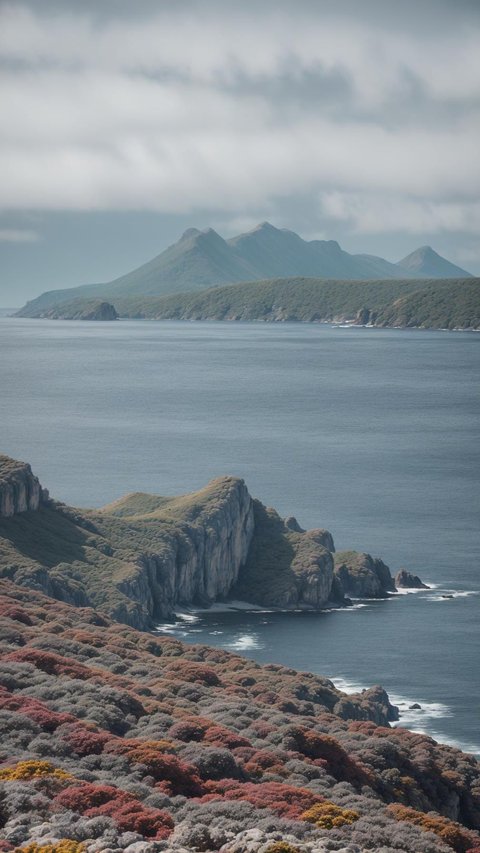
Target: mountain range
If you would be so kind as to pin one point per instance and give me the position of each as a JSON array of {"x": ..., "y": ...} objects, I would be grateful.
[{"x": 203, "y": 259}]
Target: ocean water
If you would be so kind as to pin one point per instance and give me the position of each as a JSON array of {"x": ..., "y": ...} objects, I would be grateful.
[{"x": 371, "y": 433}]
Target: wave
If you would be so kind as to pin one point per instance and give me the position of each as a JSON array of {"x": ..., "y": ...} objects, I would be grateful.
[
  {"x": 420, "y": 720},
  {"x": 448, "y": 594}
]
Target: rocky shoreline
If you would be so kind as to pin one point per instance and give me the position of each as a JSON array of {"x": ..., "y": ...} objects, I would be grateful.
[{"x": 143, "y": 556}]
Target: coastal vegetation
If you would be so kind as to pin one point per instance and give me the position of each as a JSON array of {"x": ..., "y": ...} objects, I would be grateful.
[
  {"x": 121, "y": 740},
  {"x": 417, "y": 303}
]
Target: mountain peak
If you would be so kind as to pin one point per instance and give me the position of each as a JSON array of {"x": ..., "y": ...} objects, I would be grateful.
[
  {"x": 262, "y": 228},
  {"x": 190, "y": 232},
  {"x": 425, "y": 261}
]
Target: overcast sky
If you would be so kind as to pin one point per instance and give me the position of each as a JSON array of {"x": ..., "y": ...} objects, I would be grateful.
[{"x": 123, "y": 123}]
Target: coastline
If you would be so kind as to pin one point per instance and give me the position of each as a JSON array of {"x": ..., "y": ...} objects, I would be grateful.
[{"x": 415, "y": 713}]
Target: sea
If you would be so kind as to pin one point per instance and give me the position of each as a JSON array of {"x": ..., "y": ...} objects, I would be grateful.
[{"x": 371, "y": 433}]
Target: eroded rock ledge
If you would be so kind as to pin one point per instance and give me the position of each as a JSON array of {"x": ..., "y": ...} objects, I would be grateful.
[
  {"x": 143, "y": 556},
  {"x": 20, "y": 490}
]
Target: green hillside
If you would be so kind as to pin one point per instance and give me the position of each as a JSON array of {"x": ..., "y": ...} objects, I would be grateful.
[{"x": 446, "y": 304}]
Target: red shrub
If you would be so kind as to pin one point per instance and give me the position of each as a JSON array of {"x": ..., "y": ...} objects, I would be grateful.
[
  {"x": 287, "y": 801},
  {"x": 34, "y": 709},
  {"x": 183, "y": 778},
  {"x": 84, "y": 741},
  {"x": 51, "y": 663},
  {"x": 220, "y": 736},
  {"x": 86, "y": 795},
  {"x": 13, "y": 611},
  {"x": 133, "y": 817},
  {"x": 326, "y": 748},
  {"x": 189, "y": 729},
  {"x": 195, "y": 672}
]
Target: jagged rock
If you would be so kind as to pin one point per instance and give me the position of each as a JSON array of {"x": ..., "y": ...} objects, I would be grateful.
[
  {"x": 20, "y": 490},
  {"x": 406, "y": 580},
  {"x": 292, "y": 524},
  {"x": 363, "y": 576}
]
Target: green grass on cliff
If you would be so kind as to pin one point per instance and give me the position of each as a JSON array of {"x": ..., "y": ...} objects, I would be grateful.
[{"x": 187, "y": 508}]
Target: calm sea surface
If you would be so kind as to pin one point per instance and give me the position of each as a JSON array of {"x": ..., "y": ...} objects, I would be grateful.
[{"x": 373, "y": 434}]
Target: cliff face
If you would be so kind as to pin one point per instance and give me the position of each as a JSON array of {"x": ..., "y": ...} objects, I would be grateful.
[
  {"x": 198, "y": 561},
  {"x": 144, "y": 556},
  {"x": 20, "y": 490}
]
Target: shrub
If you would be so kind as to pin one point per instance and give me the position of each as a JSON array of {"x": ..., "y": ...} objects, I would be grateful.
[
  {"x": 285, "y": 800},
  {"x": 450, "y": 832},
  {"x": 83, "y": 741},
  {"x": 329, "y": 816},
  {"x": 30, "y": 770},
  {"x": 63, "y": 846}
]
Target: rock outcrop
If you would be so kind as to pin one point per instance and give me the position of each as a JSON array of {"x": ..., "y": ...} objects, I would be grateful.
[
  {"x": 20, "y": 490},
  {"x": 362, "y": 576},
  {"x": 101, "y": 311},
  {"x": 286, "y": 567},
  {"x": 143, "y": 557},
  {"x": 406, "y": 580}
]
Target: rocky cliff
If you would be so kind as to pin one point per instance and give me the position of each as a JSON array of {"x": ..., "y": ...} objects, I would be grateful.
[
  {"x": 142, "y": 557},
  {"x": 20, "y": 490},
  {"x": 198, "y": 544},
  {"x": 286, "y": 566}
]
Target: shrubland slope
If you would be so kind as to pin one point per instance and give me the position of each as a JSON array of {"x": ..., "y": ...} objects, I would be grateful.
[{"x": 116, "y": 740}]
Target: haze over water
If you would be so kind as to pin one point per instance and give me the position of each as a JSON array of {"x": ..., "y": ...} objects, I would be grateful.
[{"x": 370, "y": 433}]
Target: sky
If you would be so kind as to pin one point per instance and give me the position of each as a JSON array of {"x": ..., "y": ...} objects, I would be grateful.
[{"x": 124, "y": 123}]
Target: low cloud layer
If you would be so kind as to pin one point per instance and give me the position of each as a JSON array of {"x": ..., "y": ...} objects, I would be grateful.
[{"x": 369, "y": 111}]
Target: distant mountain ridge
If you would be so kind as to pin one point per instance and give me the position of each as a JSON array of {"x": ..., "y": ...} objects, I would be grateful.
[{"x": 203, "y": 259}]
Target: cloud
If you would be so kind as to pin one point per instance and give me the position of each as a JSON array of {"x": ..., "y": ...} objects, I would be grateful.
[
  {"x": 230, "y": 107},
  {"x": 18, "y": 235},
  {"x": 374, "y": 214}
]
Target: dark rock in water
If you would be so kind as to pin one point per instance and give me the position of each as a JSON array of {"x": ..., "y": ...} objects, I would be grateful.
[
  {"x": 415, "y": 707},
  {"x": 406, "y": 580},
  {"x": 101, "y": 311},
  {"x": 447, "y": 596},
  {"x": 362, "y": 576}
]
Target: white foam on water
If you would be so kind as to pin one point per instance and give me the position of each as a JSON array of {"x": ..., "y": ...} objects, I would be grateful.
[
  {"x": 186, "y": 616},
  {"x": 420, "y": 720},
  {"x": 347, "y": 686},
  {"x": 450, "y": 594}
]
